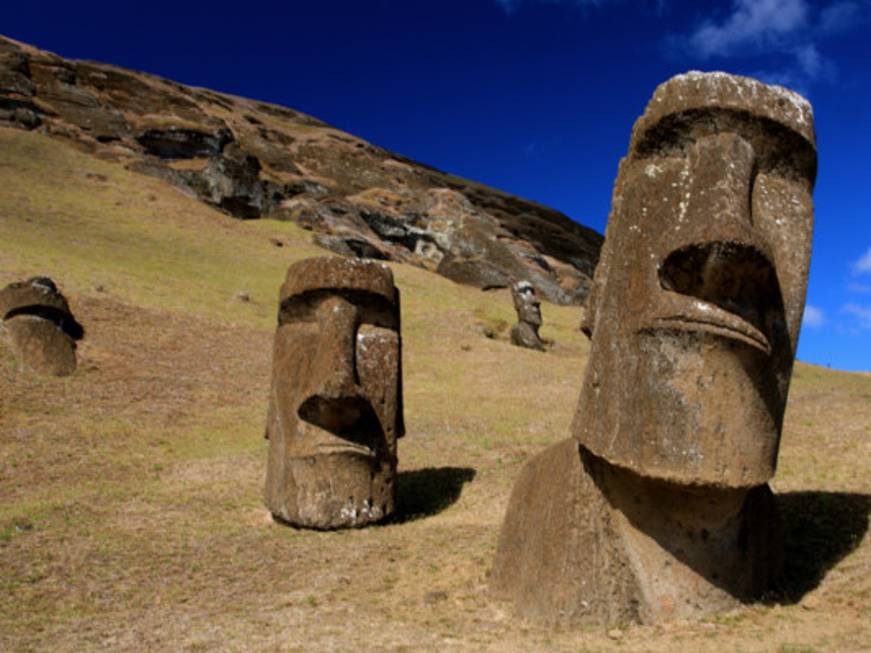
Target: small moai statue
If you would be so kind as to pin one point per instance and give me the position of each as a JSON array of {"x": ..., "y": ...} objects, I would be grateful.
[
  {"x": 39, "y": 325},
  {"x": 658, "y": 508},
  {"x": 335, "y": 405},
  {"x": 525, "y": 332}
]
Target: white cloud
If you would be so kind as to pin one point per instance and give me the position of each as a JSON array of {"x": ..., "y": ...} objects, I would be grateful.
[
  {"x": 813, "y": 317},
  {"x": 787, "y": 32},
  {"x": 861, "y": 313},
  {"x": 757, "y": 23},
  {"x": 809, "y": 59},
  {"x": 839, "y": 16},
  {"x": 863, "y": 265}
]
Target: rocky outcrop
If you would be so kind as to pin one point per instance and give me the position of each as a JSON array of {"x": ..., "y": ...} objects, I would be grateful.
[{"x": 252, "y": 159}]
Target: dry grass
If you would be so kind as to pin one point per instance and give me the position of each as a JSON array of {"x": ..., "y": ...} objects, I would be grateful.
[{"x": 131, "y": 516}]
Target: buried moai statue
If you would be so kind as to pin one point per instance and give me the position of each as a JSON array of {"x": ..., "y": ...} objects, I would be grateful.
[
  {"x": 335, "y": 406},
  {"x": 525, "y": 332},
  {"x": 658, "y": 508},
  {"x": 39, "y": 326}
]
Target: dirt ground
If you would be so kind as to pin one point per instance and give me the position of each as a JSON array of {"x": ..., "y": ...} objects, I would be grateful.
[{"x": 131, "y": 516}]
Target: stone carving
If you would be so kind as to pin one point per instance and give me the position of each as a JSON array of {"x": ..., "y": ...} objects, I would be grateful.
[
  {"x": 335, "y": 407},
  {"x": 525, "y": 332},
  {"x": 658, "y": 508},
  {"x": 40, "y": 326}
]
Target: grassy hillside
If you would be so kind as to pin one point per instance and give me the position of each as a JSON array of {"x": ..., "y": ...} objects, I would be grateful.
[{"x": 131, "y": 514}]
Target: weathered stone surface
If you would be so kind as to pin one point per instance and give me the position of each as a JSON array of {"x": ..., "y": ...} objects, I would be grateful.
[
  {"x": 525, "y": 332},
  {"x": 40, "y": 326},
  {"x": 234, "y": 184},
  {"x": 252, "y": 160},
  {"x": 694, "y": 316},
  {"x": 348, "y": 245},
  {"x": 180, "y": 143},
  {"x": 335, "y": 407},
  {"x": 698, "y": 299}
]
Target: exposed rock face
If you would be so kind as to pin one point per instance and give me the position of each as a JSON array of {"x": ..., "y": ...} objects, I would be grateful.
[
  {"x": 252, "y": 159},
  {"x": 525, "y": 332},
  {"x": 40, "y": 326},
  {"x": 335, "y": 408},
  {"x": 659, "y": 507}
]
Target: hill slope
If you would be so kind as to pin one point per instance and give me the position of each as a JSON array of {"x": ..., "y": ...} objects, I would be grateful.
[
  {"x": 131, "y": 516},
  {"x": 253, "y": 159}
]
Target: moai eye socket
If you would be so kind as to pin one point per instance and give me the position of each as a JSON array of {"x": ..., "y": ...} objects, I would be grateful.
[{"x": 301, "y": 308}]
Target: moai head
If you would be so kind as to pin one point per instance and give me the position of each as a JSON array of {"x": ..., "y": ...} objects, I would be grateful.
[
  {"x": 699, "y": 293},
  {"x": 525, "y": 303},
  {"x": 40, "y": 325},
  {"x": 335, "y": 409}
]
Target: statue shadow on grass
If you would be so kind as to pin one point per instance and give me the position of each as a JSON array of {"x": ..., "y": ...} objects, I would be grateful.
[
  {"x": 426, "y": 492},
  {"x": 820, "y": 530}
]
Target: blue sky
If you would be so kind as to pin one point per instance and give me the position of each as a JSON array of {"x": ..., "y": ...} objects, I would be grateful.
[{"x": 536, "y": 97}]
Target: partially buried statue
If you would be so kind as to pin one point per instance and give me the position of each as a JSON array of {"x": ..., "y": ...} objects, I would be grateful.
[
  {"x": 525, "y": 332},
  {"x": 39, "y": 325},
  {"x": 335, "y": 407},
  {"x": 658, "y": 508}
]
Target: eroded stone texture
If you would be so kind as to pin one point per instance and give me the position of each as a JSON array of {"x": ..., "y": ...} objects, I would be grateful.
[
  {"x": 658, "y": 507},
  {"x": 525, "y": 332},
  {"x": 335, "y": 407},
  {"x": 39, "y": 325}
]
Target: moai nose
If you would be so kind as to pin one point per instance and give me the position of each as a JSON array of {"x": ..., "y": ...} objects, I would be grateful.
[
  {"x": 720, "y": 257},
  {"x": 334, "y": 400},
  {"x": 719, "y": 204}
]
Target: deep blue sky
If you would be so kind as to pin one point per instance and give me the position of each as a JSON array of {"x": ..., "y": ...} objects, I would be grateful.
[{"x": 536, "y": 97}]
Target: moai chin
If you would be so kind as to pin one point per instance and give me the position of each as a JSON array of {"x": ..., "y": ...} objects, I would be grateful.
[
  {"x": 40, "y": 326},
  {"x": 335, "y": 406},
  {"x": 658, "y": 508},
  {"x": 525, "y": 332}
]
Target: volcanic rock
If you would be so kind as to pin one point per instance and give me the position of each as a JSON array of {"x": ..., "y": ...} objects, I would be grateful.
[{"x": 253, "y": 160}]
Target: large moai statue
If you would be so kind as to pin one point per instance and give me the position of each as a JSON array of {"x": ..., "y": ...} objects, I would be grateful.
[
  {"x": 658, "y": 508},
  {"x": 335, "y": 406},
  {"x": 525, "y": 332},
  {"x": 39, "y": 325}
]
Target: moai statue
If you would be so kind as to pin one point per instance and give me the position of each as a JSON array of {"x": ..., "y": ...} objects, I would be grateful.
[
  {"x": 525, "y": 332},
  {"x": 335, "y": 407},
  {"x": 40, "y": 326},
  {"x": 658, "y": 508}
]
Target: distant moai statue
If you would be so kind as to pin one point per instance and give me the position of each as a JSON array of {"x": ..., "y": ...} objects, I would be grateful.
[
  {"x": 40, "y": 326},
  {"x": 335, "y": 406},
  {"x": 525, "y": 332},
  {"x": 658, "y": 508}
]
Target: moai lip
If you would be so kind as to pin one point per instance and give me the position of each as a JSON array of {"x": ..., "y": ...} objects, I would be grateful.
[
  {"x": 40, "y": 326},
  {"x": 335, "y": 405},
  {"x": 528, "y": 308},
  {"x": 657, "y": 508}
]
